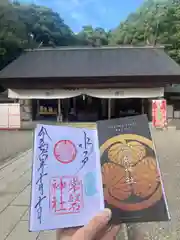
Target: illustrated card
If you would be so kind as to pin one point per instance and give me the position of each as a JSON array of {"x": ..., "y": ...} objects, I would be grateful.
[
  {"x": 132, "y": 183},
  {"x": 66, "y": 177}
]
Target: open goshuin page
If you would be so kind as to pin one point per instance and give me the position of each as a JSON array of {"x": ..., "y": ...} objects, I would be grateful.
[
  {"x": 66, "y": 177},
  {"x": 132, "y": 183}
]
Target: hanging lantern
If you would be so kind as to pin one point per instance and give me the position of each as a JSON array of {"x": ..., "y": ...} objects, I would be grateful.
[{"x": 84, "y": 97}]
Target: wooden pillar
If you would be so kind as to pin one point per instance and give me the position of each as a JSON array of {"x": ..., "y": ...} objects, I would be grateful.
[
  {"x": 38, "y": 108},
  {"x": 103, "y": 107},
  {"x": 109, "y": 108},
  {"x": 59, "y": 115},
  {"x": 74, "y": 103},
  {"x": 142, "y": 106},
  {"x": 150, "y": 109},
  {"x": 113, "y": 106}
]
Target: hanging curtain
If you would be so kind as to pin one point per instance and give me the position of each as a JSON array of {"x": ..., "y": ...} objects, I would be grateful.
[
  {"x": 98, "y": 93},
  {"x": 42, "y": 94},
  {"x": 126, "y": 93}
]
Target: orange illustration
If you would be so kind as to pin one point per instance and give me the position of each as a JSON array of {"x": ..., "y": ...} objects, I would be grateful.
[
  {"x": 131, "y": 178},
  {"x": 134, "y": 150},
  {"x": 114, "y": 181}
]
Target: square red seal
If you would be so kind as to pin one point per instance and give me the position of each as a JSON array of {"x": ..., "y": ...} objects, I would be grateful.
[{"x": 66, "y": 195}]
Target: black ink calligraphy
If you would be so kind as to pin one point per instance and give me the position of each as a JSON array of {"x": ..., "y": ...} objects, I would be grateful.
[
  {"x": 43, "y": 146},
  {"x": 87, "y": 147},
  {"x": 38, "y": 207},
  {"x": 43, "y": 133}
]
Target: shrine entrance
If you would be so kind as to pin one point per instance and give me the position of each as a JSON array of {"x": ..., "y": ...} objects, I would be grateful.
[
  {"x": 128, "y": 107},
  {"x": 82, "y": 109},
  {"x": 90, "y": 109},
  {"x": 88, "y": 105}
]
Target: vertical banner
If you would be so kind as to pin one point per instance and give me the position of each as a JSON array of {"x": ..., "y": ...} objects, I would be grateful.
[{"x": 159, "y": 113}]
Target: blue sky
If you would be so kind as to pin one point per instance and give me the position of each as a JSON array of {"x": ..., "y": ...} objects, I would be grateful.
[{"x": 98, "y": 13}]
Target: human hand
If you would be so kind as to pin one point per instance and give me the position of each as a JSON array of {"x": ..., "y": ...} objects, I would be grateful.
[{"x": 98, "y": 228}]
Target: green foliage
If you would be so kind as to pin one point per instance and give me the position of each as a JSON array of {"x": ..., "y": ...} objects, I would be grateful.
[
  {"x": 93, "y": 37},
  {"x": 156, "y": 22},
  {"x": 31, "y": 26}
]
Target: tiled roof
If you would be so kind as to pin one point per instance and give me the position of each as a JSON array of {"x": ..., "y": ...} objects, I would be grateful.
[{"x": 92, "y": 62}]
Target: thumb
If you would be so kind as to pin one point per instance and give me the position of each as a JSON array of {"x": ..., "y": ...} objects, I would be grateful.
[{"x": 92, "y": 229}]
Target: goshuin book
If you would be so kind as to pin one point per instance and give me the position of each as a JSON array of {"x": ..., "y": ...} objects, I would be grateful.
[
  {"x": 132, "y": 183},
  {"x": 77, "y": 172},
  {"x": 66, "y": 177}
]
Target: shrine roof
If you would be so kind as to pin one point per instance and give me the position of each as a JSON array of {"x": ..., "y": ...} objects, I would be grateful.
[{"x": 91, "y": 62}]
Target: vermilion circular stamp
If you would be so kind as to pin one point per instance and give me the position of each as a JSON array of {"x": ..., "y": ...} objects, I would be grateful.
[{"x": 65, "y": 151}]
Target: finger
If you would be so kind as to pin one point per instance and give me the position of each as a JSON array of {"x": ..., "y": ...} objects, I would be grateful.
[
  {"x": 90, "y": 231},
  {"x": 66, "y": 233},
  {"x": 109, "y": 233}
]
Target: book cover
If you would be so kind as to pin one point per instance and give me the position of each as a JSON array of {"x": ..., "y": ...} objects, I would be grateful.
[{"x": 131, "y": 176}]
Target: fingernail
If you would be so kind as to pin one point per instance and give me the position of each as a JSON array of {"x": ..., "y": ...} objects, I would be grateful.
[{"x": 107, "y": 213}]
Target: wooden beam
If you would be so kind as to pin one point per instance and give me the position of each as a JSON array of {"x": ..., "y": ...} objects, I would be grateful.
[{"x": 93, "y": 82}]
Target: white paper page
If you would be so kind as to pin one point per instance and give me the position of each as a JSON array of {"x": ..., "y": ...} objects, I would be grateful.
[{"x": 66, "y": 177}]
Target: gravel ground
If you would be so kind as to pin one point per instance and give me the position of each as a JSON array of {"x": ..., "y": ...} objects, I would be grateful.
[{"x": 14, "y": 142}]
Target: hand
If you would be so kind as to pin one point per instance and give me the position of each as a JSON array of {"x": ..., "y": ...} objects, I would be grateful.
[{"x": 98, "y": 228}]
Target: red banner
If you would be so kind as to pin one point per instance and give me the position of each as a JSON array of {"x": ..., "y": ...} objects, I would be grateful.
[{"x": 159, "y": 113}]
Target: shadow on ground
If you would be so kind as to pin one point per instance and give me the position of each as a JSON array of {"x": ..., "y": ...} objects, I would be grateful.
[{"x": 14, "y": 142}]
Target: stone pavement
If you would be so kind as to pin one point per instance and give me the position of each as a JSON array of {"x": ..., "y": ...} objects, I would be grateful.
[
  {"x": 15, "y": 177},
  {"x": 14, "y": 142},
  {"x": 168, "y": 152},
  {"x": 15, "y": 183}
]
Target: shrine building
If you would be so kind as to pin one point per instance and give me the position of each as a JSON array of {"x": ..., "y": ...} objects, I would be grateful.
[{"x": 88, "y": 83}]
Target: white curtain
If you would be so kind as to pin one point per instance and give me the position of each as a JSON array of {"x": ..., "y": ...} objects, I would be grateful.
[
  {"x": 42, "y": 94},
  {"x": 98, "y": 93},
  {"x": 126, "y": 93}
]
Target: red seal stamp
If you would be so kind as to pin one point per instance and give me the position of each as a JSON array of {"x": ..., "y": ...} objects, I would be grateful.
[
  {"x": 65, "y": 151},
  {"x": 66, "y": 195}
]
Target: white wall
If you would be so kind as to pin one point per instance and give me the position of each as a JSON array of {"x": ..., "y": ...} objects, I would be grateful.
[{"x": 10, "y": 116}]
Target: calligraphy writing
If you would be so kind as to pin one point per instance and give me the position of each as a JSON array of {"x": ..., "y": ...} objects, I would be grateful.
[
  {"x": 128, "y": 170},
  {"x": 43, "y": 147},
  {"x": 87, "y": 147}
]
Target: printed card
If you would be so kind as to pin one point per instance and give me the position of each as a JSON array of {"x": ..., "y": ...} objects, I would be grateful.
[
  {"x": 66, "y": 178},
  {"x": 132, "y": 182}
]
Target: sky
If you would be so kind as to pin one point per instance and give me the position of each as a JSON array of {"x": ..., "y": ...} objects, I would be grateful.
[{"x": 98, "y": 13}]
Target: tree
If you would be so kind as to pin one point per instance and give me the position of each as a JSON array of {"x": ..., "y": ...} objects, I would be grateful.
[
  {"x": 4, "y": 2},
  {"x": 155, "y": 22},
  {"x": 29, "y": 26},
  {"x": 93, "y": 37},
  {"x": 32, "y": 26}
]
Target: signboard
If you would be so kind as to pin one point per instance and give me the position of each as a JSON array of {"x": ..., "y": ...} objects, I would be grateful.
[
  {"x": 10, "y": 116},
  {"x": 159, "y": 113}
]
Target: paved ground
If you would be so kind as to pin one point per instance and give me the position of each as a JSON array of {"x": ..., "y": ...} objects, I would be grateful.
[
  {"x": 13, "y": 142},
  {"x": 168, "y": 151},
  {"x": 15, "y": 178},
  {"x": 14, "y": 200}
]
